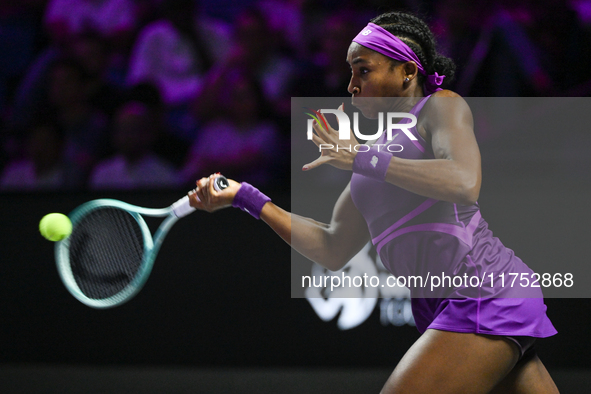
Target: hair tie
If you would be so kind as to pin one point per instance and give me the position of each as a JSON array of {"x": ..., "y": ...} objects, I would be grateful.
[{"x": 433, "y": 83}]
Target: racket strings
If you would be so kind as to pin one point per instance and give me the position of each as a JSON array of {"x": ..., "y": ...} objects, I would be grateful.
[{"x": 106, "y": 252}]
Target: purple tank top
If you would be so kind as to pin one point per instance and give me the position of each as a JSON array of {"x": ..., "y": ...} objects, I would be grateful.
[{"x": 416, "y": 235}]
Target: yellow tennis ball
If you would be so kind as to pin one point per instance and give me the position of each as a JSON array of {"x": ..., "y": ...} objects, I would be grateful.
[{"x": 55, "y": 226}]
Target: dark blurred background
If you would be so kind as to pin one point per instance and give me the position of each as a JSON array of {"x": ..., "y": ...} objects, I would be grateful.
[
  {"x": 135, "y": 99},
  {"x": 145, "y": 94}
]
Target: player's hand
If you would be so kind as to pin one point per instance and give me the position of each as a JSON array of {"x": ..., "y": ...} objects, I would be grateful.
[
  {"x": 338, "y": 153},
  {"x": 207, "y": 198}
]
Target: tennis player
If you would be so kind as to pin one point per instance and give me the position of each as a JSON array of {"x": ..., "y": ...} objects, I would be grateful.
[{"x": 418, "y": 206}]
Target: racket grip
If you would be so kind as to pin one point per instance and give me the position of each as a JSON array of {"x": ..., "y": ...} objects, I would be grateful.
[{"x": 182, "y": 207}]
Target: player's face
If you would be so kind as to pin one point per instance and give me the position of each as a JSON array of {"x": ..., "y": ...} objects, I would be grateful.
[{"x": 374, "y": 81}]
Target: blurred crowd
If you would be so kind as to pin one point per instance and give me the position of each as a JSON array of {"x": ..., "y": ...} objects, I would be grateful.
[{"x": 132, "y": 94}]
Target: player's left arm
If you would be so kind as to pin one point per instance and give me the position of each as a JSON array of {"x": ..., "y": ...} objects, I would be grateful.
[{"x": 455, "y": 173}]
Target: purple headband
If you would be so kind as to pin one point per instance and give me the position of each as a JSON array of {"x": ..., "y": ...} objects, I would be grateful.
[{"x": 380, "y": 40}]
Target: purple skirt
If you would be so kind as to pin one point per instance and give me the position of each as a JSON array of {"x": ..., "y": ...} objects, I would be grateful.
[{"x": 493, "y": 316}]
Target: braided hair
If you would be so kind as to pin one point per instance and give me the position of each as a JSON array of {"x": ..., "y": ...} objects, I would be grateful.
[{"x": 416, "y": 34}]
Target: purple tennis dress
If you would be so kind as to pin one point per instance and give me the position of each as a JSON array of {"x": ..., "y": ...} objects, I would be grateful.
[{"x": 420, "y": 236}]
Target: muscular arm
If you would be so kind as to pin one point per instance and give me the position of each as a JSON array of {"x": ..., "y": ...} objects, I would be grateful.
[
  {"x": 454, "y": 175},
  {"x": 330, "y": 245}
]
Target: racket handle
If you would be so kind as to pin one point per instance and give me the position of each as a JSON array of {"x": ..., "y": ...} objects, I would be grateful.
[{"x": 182, "y": 207}]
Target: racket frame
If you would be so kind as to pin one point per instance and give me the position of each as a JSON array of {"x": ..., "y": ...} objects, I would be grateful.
[
  {"x": 179, "y": 209},
  {"x": 151, "y": 248}
]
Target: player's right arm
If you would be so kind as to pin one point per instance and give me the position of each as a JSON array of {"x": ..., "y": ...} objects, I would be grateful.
[{"x": 331, "y": 245}]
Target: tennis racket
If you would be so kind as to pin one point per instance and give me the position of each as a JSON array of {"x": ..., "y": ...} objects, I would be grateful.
[{"x": 110, "y": 253}]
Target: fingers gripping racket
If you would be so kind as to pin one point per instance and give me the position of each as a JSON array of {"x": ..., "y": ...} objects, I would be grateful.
[{"x": 110, "y": 253}]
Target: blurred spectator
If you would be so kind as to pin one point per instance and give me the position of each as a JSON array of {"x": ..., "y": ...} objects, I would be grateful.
[
  {"x": 84, "y": 126},
  {"x": 226, "y": 10},
  {"x": 457, "y": 25},
  {"x": 112, "y": 19},
  {"x": 134, "y": 165},
  {"x": 31, "y": 93},
  {"x": 69, "y": 23},
  {"x": 42, "y": 167},
  {"x": 286, "y": 19},
  {"x": 174, "y": 52},
  {"x": 484, "y": 39},
  {"x": 93, "y": 53},
  {"x": 259, "y": 54},
  {"x": 328, "y": 74},
  {"x": 241, "y": 143},
  {"x": 168, "y": 145},
  {"x": 254, "y": 52},
  {"x": 19, "y": 30}
]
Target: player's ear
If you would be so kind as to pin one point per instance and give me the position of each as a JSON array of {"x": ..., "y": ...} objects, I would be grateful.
[{"x": 409, "y": 70}]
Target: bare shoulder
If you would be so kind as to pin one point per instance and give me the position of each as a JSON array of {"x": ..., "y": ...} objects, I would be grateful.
[
  {"x": 445, "y": 93},
  {"x": 446, "y": 99},
  {"x": 446, "y": 107}
]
